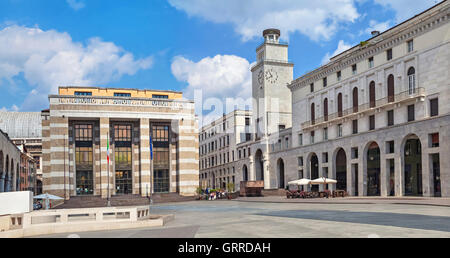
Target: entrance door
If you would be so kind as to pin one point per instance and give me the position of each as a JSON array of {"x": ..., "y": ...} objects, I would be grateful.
[
  {"x": 413, "y": 167},
  {"x": 161, "y": 180},
  {"x": 124, "y": 182},
  {"x": 314, "y": 172},
  {"x": 436, "y": 175},
  {"x": 373, "y": 170}
]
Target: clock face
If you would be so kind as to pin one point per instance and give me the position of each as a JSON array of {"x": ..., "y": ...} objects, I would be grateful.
[
  {"x": 261, "y": 78},
  {"x": 271, "y": 76}
]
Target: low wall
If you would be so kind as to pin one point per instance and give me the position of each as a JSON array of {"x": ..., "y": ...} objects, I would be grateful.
[
  {"x": 16, "y": 202},
  {"x": 82, "y": 220}
]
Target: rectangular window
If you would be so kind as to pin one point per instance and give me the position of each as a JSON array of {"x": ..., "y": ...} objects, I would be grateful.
[
  {"x": 434, "y": 140},
  {"x": 119, "y": 94},
  {"x": 83, "y": 133},
  {"x": 389, "y": 54},
  {"x": 339, "y": 130},
  {"x": 83, "y": 156},
  {"x": 339, "y": 76},
  {"x": 325, "y": 82},
  {"x": 281, "y": 127},
  {"x": 311, "y": 87},
  {"x": 390, "y": 116},
  {"x": 158, "y": 96},
  {"x": 354, "y": 69},
  {"x": 247, "y": 121},
  {"x": 300, "y": 139},
  {"x": 372, "y": 122},
  {"x": 390, "y": 147},
  {"x": 355, "y": 126},
  {"x": 325, "y": 134},
  {"x": 325, "y": 157},
  {"x": 434, "y": 109},
  {"x": 83, "y": 93},
  {"x": 410, "y": 46},
  {"x": 355, "y": 153},
  {"x": 411, "y": 113},
  {"x": 122, "y": 133},
  {"x": 312, "y": 137},
  {"x": 300, "y": 161},
  {"x": 371, "y": 63},
  {"x": 248, "y": 137}
]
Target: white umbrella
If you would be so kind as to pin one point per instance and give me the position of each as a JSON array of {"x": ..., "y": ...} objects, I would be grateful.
[
  {"x": 47, "y": 197},
  {"x": 303, "y": 181},
  {"x": 323, "y": 181}
]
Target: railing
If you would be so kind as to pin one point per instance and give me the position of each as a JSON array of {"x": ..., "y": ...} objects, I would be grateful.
[{"x": 400, "y": 97}]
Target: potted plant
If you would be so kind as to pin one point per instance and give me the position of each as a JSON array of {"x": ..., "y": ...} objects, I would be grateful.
[
  {"x": 230, "y": 188},
  {"x": 199, "y": 191}
]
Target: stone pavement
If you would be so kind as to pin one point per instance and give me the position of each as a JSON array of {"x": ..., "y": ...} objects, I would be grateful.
[
  {"x": 273, "y": 217},
  {"x": 354, "y": 200}
]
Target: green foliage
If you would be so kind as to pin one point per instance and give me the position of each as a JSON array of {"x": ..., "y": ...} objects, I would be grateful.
[
  {"x": 198, "y": 190},
  {"x": 363, "y": 43},
  {"x": 230, "y": 187}
]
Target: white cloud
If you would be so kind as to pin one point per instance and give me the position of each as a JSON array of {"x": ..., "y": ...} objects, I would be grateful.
[
  {"x": 76, "y": 5},
  {"x": 378, "y": 26},
  {"x": 342, "y": 46},
  {"x": 217, "y": 84},
  {"x": 222, "y": 76},
  {"x": 48, "y": 59},
  {"x": 406, "y": 9},
  {"x": 13, "y": 108},
  {"x": 318, "y": 20}
]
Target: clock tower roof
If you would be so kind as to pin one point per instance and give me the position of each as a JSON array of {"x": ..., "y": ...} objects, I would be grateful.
[{"x": 272, "y": 32}]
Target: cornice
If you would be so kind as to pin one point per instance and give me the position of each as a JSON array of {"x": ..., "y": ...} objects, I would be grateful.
[{"x": 415, "y": 27}]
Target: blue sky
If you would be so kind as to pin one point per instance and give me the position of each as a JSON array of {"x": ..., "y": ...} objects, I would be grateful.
[{"x": 178, "y": 45}]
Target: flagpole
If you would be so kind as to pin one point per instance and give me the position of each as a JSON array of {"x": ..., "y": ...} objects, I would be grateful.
[
  {"x": 107, "y": 147},
  {"x": 151, "y": 168}
]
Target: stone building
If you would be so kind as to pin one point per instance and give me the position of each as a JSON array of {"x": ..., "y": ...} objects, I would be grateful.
[
  {"x": 218, "y": 152},
  {"x": 24, "y": 128},
  {"x": 9, "y": 164},
  {"x": 83, "y": 124},
  {"x": 27, "y": 180},
  {"x": 376, "y": 117}
]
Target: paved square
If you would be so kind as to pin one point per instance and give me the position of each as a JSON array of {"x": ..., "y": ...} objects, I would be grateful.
[{"x": 239, "y": 219}]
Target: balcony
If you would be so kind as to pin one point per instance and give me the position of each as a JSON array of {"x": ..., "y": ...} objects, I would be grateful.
[{"x": 353, "y": 111}]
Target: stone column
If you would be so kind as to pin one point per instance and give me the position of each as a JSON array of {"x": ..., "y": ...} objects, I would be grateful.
[
  {"x": 399, "y": 177},
  {"x": 2, "y": 181},
  {"x": 427, "y": 184},
  {"x": 266, "y": 171},
  {"x": 444, "y": 160},
  {"x": 384, "y": 179},
  {"x": 104, "y": 132},
  {"x": 362, "y": 175},
  {"x": 350, "y": 177},
  {"x": 145, "y": 157},
  {"x": 188, "y": 156},
  {"x": 251, "y": 169},
  {"x": 59, "y": 130}
]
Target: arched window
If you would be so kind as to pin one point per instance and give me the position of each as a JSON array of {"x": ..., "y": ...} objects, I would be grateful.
[
  {"x": 355, "y": 100},
  {"x": 339, "y": 104},
  {"x": 313, "y": 113},
  {"x": 391, "y": 88},
  {"x": 325, "y": 109},
  {"x": 411, "y": 80},
  {"x": 372, "y": 94}
]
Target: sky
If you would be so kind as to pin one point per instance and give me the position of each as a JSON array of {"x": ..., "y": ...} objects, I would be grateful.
[{"x": 181, "y": 45}]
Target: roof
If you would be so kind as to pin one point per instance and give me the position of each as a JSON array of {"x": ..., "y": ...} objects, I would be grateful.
[{"x": 21, "y": 124}]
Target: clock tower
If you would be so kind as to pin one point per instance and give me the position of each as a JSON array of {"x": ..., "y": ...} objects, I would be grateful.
[{"x": 272, "y": 103}]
